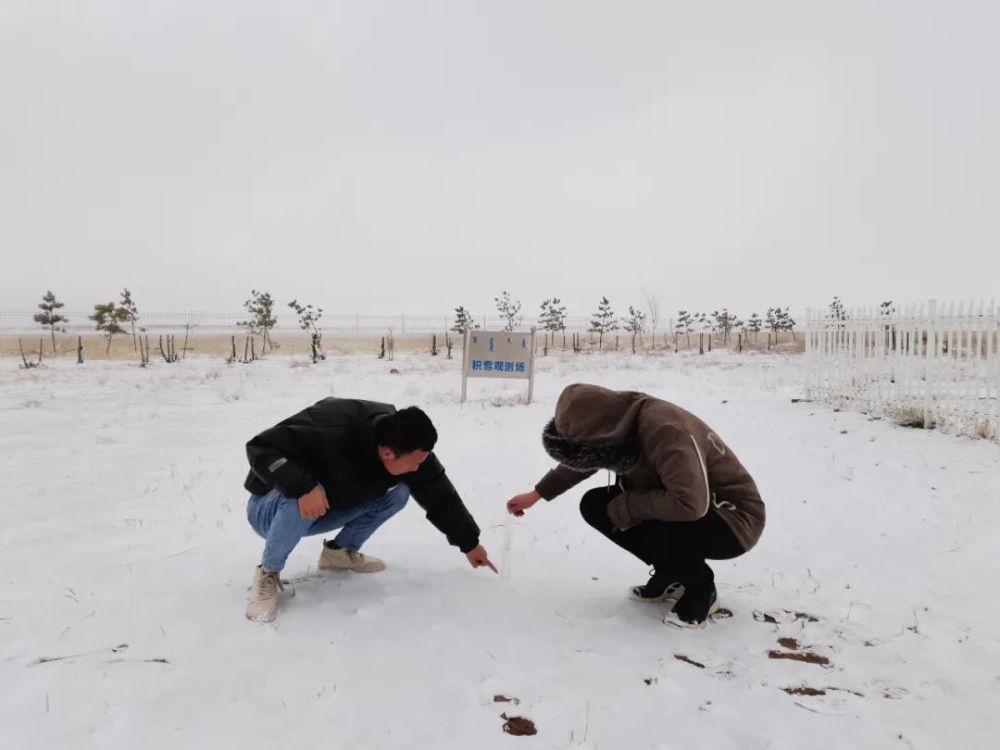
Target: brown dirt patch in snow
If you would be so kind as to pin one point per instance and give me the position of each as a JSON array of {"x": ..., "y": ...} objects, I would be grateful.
[
  {"x": 805, "y": 656},
  {"x": 804, "y": 691},
  {"x": 518, "y": 726},
  {"x": 789, "y": 643}
]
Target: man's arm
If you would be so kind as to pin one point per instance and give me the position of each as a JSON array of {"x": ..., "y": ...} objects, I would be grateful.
[
  {"x": 560, "y": 480},
  {"x": 552, "y": 485},
  {"x": 272, "y": 456},
  {"x": 435, "y": 493}
]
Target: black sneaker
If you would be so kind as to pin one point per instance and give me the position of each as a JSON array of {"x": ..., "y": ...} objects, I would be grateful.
[
  {"x": 659, "y": 589},
  {"x": 694, "y": 608}
]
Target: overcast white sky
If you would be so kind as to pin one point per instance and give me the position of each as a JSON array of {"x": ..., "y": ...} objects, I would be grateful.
[{"x": 411, "y": 156}]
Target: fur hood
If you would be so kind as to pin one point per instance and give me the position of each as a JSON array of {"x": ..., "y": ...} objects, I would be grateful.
[
  {"x": 594, "y": 428},
  {"x": 588, "y": 455}
]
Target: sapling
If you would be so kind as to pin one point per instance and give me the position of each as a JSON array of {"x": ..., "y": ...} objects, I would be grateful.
[
  {"x": 49, "y": 316},
  {"x": 509, "y": 309},
  {"x": 108, "y": 318},
  {"x": 261, "y": 320},
  {"x": 603, "y": 321},
  {"x": 635, "y": 324}
]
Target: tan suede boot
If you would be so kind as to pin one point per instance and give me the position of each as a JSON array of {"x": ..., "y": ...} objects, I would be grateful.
[
  {"x": 344, "y": 559},
  {"x": 263, "y": 603}
]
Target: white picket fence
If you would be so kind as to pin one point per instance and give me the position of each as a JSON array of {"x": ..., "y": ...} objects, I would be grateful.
[{"x": 929, "y": 365}]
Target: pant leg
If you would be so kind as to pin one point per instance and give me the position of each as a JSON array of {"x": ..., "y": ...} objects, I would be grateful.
[
  {"x": 277, "y": 519},
  {"x": 357, "y": 531},
  {"x": 677, "y": 550},
  {"x": 594, "y": 509}
]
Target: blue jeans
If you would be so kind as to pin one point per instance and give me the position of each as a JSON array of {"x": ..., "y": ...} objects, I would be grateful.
[{"x": 277, "y": 519}]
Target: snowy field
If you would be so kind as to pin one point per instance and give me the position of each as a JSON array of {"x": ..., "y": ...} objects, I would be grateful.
[{"x": 125, "y": 558}]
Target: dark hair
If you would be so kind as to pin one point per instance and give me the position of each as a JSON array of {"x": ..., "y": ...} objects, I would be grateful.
[{"x": 405, "y": 431}]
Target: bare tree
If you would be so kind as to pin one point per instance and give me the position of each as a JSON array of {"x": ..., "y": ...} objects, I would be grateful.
[
  {"x": 652, "y": 300},
  {"x": 28, "y": 365}
]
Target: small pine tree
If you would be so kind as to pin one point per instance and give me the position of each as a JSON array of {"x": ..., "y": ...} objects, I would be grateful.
[
  {"x": 604, "y": 321},
  {"x": 787, "y": 322},
  {"x": 509, "y": 309},
  {"x": 772, "y": 321},
  {"x": 838, "y": 313},
  {"x": 261, "y": 320},
  {"x": 737, "y": 325},
  {"x": 635, "y": 324},
  {"x": 705, "y": 325},
  {"x": 309, "y": 318},
  {"x": 49, "y": 317},
  {"x": 553, "y": 318},
  {"x": 131, "y": 315},
  {"x": 108, "y": 319},
  {"x": 778, "y": 320},
  {"x": 685, "y": 325},
  {"x": 725, "y": 322},
  {"x": 754, "y": 324},
  {"x": 463, "y": 321}
]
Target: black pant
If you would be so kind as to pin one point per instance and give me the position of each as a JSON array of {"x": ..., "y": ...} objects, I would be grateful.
[{"x": 677, "y": 550}]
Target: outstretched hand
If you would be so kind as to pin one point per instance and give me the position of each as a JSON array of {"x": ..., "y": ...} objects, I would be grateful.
[
  {"x": 478, "y": 559},
  {"x": 518, "y": 504}
]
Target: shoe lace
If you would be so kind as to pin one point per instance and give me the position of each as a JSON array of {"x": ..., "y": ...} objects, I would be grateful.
[
  {"x": 355, "y": 557},
  {"x": 268, "y": 585}
]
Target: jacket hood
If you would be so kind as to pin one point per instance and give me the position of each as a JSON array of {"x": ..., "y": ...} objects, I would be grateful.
[{"x": 594, "y": 428}]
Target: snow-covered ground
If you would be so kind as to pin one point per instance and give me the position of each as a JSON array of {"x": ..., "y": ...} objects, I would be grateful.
[{"x": 125, "y": 557}]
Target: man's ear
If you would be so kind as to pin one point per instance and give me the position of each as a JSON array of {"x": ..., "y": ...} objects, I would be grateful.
[{"x": 386, "y": 453}]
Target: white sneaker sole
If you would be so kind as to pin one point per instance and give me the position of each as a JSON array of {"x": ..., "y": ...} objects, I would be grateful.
[
  {"x": 674, "y": 621},
  {"x": 672, "y": 594}
]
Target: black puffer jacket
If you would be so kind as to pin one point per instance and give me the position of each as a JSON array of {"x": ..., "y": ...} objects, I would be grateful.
[{"x": 333, "y": 443}]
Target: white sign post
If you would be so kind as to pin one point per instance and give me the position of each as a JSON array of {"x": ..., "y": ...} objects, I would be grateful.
[{"x": 499, "y": 354}]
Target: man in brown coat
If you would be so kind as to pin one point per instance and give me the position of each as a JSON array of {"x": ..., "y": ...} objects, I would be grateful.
[{"x": 681, "y": 495}]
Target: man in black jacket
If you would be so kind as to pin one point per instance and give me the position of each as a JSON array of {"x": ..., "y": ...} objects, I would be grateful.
[{"x": 350, "y": 465}]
